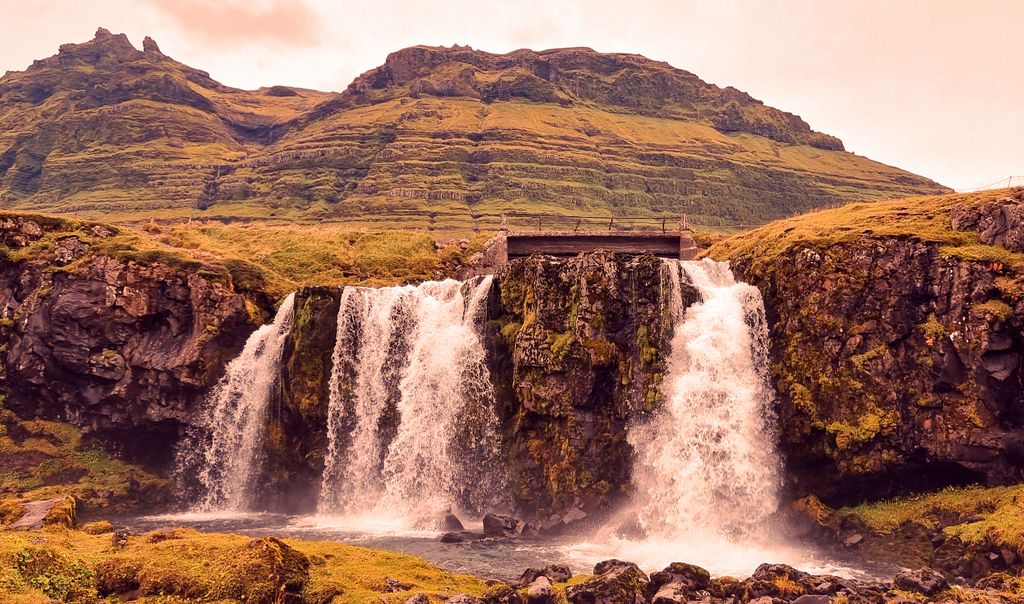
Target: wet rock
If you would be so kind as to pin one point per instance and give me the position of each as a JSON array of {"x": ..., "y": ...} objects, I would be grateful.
[
  {"x": 540, "y": 592},
  {"x": 853, "y": 541},
  {"x": 498, "y": 525},
  {"x": 461, "y": 537},
  {"x": 810, "y": 517},
  {"x": 556, "y": 573},
  {"x": 451, "y": 523},
  {"x": 614, "y": 582},
  {"x": 927, "y": 581}
]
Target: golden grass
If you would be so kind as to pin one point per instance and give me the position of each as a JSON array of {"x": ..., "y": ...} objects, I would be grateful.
[
  {"x": 974, "y": 514},
  {"x": 925, "y": 219},
  {"x": 184, "y": 565}
]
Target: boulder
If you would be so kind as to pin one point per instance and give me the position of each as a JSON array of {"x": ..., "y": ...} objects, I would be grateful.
[
  {"x": 614, "y": 582},
  {"x": 461, "y": 537},
  {"x": 499, "y": 525},
  {"x": 927, "y": 581},
  {"x": 59, "y": 511},
  {"x": 540, "y": 591},
  {"x": 451, "y": 522},
  {"x": 464, "y": 599},
  {"x": 677, "y": 582},
  {"x": 556, "y": 573}
]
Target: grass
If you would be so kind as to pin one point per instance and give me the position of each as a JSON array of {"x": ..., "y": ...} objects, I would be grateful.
[
  {"x": 973, "y": 514},
  {"x": 44, "y": 459},
  {"x": 183, "y": 565},
  {"x": 258, "y": 257},
  {"x": 924, "y": 219}
]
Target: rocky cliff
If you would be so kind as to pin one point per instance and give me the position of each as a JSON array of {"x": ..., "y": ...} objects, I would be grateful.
[
  {"x": 123, "y": 346},
  {"x": 897, "y": 341},
  {"x": 448, "y": 136}
]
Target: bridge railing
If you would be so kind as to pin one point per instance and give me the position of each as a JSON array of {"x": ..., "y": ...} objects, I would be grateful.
[{"x": 569, "y": 223}]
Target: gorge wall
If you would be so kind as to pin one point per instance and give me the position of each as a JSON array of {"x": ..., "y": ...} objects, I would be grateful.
[{"x": 123, "y": 348}]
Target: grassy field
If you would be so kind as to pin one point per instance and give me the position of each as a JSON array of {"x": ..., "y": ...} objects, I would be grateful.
[{"x": 926, "y": 219}]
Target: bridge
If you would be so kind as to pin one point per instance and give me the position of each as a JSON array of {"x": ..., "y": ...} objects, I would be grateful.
[{"x": 658, "y": 236}]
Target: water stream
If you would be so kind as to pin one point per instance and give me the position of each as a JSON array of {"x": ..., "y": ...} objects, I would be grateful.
[
  {"x": 220, "y": 456},
  {"x": 412, "y": 429}
]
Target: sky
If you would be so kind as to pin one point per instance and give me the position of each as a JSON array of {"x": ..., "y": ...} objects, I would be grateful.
[{"x": 932, "y": 86}]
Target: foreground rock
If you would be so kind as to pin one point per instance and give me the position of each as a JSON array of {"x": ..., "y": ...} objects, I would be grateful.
[{"x": 59, "y": 511}]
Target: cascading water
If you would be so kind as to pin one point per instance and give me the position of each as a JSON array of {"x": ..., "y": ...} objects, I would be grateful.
[
  {"x": 706, "y": 463},
  {"x": 412, "y": 427},
  {"x": 706, "y": 472},
  {"x": 220, "y": 456}
]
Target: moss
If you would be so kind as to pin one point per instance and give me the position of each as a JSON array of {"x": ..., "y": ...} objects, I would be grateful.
[
  {"x": 561, "y": 344},
  {"x": 993, "y": 514},
  {"x": 869, "y": 426},
  {"x": 995, "y": 308},
  {"x": 932, "y": 330},
  {"x": 860, "y": 360},
  {"x": 98, "y": 527},
  {"x": 199, "y": 567},
  {"x": 62, "y": 514},
  {"x": 648, "y": 353}
]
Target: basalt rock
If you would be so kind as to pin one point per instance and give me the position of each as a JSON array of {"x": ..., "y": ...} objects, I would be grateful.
[
  {"x": 614, "y": 582},
  {"x": 124, "y": 349},
  {"x": 576, "y": 350},
  {"x": 898, "y": 362}
]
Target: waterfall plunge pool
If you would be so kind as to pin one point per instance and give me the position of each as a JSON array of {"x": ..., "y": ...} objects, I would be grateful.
[{"x": 506, "y": 559}]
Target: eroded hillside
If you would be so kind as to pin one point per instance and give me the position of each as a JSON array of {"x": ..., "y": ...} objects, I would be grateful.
[{"x": 449, "y": 136}]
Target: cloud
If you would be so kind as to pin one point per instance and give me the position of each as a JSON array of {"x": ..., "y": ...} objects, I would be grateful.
[{"x": 230, "y": 22}]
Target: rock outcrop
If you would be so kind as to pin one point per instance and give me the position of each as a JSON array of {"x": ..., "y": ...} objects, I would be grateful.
[
  {"x": 124, "y": 348},
  {"x": 578, "y": 351},
  {"x": 897, "y": 356}
]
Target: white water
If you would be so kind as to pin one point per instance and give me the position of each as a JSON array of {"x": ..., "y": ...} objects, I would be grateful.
[
  {"x": 411, "y": 424},
  {"x": 706, "y": 471},
  {"x": 221, "y": 456}
]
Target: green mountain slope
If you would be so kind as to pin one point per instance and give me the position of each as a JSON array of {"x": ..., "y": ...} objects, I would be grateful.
[{"x": 447, "y": 135}]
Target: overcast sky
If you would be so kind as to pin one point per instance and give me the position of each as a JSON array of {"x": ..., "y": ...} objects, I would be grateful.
[{"x": 935, "y": 87}]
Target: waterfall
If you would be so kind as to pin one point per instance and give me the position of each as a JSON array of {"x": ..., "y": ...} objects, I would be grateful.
[
  {"x": 411, "y": 423},
  {"x": 706, "y": 464},
  {"x": 222, "y": 453}
]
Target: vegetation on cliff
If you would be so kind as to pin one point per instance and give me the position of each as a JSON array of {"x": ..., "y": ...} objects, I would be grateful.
[
  {"x": 445, "y": 137},
  {"x": 896, "y": 339}
]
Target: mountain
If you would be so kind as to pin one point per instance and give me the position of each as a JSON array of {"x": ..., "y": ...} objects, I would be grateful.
[{"x": 106, "y": 130}]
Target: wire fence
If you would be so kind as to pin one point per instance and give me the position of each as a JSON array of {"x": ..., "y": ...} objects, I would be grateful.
[{"x": 1009, "y": 181}]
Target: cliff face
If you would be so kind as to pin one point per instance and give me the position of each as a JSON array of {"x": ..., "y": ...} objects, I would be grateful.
[
  {"x": 898, "y": 351},
  {"x": 122, "y": 349},
  {"x": 578, "y": 352},
  {"x": 452, "y": 136}
]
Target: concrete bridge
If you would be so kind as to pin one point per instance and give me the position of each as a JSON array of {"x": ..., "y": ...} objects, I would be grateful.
[{"x": 665, "y": 242}]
